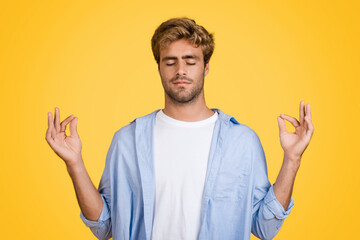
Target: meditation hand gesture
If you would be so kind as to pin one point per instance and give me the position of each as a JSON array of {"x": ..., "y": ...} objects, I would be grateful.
[
  {"x": 66, "y": 147},
  {"x": 295, "y": 143}
]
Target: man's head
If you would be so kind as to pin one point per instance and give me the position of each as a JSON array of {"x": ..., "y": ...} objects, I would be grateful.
[
  {"x": 182, "y": 50},
  {"x": 182, "y": 28}
]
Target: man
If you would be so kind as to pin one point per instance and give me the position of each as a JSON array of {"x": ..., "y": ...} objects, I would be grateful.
[{"x": 186, "y": 171}]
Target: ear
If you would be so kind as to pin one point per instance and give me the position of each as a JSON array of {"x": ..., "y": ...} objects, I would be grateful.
[{"x": 206, "y": 69}]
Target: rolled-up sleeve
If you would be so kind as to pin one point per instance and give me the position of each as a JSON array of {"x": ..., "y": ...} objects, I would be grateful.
[
  {"x": 276, "y": 210},
  {"x": 105, "y": 215},
  {"x": 268, "y": 213},
  {"x": 102, "y": 228}
]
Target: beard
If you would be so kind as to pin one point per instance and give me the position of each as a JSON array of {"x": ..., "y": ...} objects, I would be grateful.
[{"x": 183, "y": 95}]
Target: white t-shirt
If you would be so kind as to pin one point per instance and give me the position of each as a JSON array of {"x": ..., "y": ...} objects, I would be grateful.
[{"x": 181, "y": 152}]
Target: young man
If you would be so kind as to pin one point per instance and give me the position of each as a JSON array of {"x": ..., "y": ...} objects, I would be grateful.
[{"x": 186, "y": 171}]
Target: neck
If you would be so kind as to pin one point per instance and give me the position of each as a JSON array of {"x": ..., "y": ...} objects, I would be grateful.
[{"x": 188, "y": 112}]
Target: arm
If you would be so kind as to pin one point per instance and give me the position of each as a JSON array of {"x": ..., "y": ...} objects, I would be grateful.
[
  {"x": 69, "y": 149},
  {"x": 89, "y": 199},
  {"x": 272, "y": 204},
  {"x": 294, "y": 145},
  {"x": 268, "y": 214}
]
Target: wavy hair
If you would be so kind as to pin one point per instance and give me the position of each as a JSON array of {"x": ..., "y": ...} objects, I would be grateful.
[{"x": 182, "y": 28}]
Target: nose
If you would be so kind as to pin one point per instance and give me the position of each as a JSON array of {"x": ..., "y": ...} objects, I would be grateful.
[{"x": 181, "y": 69}]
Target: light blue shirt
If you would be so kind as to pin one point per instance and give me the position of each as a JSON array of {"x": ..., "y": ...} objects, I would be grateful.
[{"x": 238, "y": 198}]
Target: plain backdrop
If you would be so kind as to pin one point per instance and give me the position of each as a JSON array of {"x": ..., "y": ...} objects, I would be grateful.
[{"x": 93, "y": 59}]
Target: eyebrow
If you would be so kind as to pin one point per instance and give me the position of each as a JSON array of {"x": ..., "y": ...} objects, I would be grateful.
[{"x": 183, "y": 57}]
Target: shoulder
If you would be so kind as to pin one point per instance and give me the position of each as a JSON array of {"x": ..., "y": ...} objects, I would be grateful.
[
  {"x": 242, "y": 129},
  {"x": 244, "y": 136},
  {"x": 125, "y": 132},
  {"x": 128, "y": 131},
  {"x": 245, "y": 140},
  {"x": 237, "y": 130},
  {"x": 239, "y": 135}
]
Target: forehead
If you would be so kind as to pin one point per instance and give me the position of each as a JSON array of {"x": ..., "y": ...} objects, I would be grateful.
[{"x": 180, "y": 48}]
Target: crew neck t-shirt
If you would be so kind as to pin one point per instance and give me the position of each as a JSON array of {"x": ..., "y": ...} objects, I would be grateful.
[{"x": 181, "y": 152}]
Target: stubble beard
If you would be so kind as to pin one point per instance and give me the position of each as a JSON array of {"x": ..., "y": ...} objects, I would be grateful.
[{"x": 182, "y": 95}]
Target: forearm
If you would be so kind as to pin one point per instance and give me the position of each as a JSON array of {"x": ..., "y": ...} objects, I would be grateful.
[
  {"x": 284, "y": 184},
  {"x": 88, "y": 197}
]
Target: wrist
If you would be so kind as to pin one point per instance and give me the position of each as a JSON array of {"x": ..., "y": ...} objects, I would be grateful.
[
  {"x": 292, "y": 162},
  {"x": 75, "y": 167}
]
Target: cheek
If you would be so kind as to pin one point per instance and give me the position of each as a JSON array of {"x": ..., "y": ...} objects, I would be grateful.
[
  {"x": 165, "y": 77},
  {"x": 200, "y": 72},
  {"x": 165, "y": 73}
]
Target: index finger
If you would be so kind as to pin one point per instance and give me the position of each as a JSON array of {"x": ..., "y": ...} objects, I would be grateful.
[{"x": 64, "y": 123}]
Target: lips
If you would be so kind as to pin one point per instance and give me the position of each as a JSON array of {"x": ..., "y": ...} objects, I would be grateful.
[{"x": 181, "y": 82}]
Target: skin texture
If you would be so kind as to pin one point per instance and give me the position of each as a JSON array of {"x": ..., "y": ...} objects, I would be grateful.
[
  {"x": 182, "y": 71},
  {"x": 69, "y": 149},
  {"x": 294, "y": 145},
  {"x": 181, "y": 61}
]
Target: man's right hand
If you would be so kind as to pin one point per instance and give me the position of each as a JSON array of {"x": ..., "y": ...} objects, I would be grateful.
[
  {"x": 69, "y": 149},
  {"x": 66, "y": 147}
]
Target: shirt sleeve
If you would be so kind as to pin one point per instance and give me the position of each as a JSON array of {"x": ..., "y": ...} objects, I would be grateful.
[
  {"x": 102, "y": 228},
  {"x": 268, "y": 213}
]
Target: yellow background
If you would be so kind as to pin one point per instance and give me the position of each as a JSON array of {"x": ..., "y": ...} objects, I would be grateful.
[{"x": 93, "y": 60}]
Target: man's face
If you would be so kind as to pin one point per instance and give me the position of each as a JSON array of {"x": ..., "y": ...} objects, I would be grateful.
[{"x": 182, "y": 71}]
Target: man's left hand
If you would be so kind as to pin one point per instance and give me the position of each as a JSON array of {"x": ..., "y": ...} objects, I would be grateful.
[{"x": 295, "y": 143}]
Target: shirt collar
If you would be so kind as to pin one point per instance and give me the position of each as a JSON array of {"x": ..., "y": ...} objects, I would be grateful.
[
  {"x": 225, "y": 117},
  {"x": 222, "y": 116}
]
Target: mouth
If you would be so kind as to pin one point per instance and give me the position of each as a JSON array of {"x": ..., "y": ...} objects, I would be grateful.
[{"x": 181, "y": 83}]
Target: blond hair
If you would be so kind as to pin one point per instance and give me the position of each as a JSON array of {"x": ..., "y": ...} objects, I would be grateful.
[{"x": 182, "y": 28}]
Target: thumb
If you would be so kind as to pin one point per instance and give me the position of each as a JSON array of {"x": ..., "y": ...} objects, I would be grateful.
[
  {"x": 282, "y": 126},
  {"x": 73, "y": 128}
]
